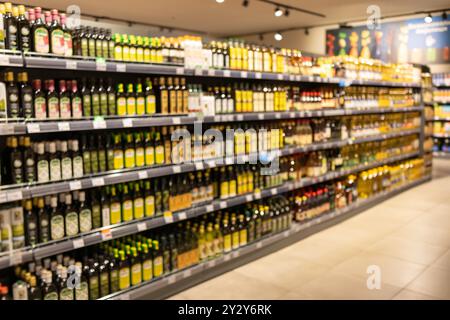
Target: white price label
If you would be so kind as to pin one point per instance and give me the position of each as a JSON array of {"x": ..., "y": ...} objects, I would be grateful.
[
  {"x": 143, "y": 175},
  {"x": 198, "y": 72},
  {"x": 15, "y": 258},
  {"x": 106, "y": 234},
  {"x": 179, "y": 71},
  {"x": 142, "y": 226},
  {"x": 171, "y": 279},
  {"x": 211, "y": 72},
  {"x": 249, "y": 198},
  {"x": 209, "y": 208},
  {"x": 227, "y": 257},
  {"x": 7, "y": 128},
  {"x": 127, "y": 123},
  {"x": 33, "y": 127},
  {"x": 286, "y": 234},
  {"x": 244, "y": 74},
  {"x": 176, "y": 120},
  {"x": 239, "y": 117},
  {"x": 291, "y": 114},
  {"x": 187, "y": 273},
  {"x": 100, "y": 66},
  {"x": 125, "y": 296},
  {"x": 211, "y": 163},
  {"x": 3, "y": 197},
  {"x": 176, "y": 169},
  {"x": 211, "y": 263},
  {"x": 273, "y": 192},
  {"x": 78, "y": 243},
  {"x": 258, "y": 75},
  {"x": 71, "y": 65},
  {"x": 261, "y": 116},
  {"x": 298, "y": 77},
  {"x": 291, "y": 77},
  {"x": 259, "y": 245},
  {"x": 236, "y": 254},
  {"x": 15, "y": 195},
  {"x": 75, "y": 185},
  {"x": 223, "y": 204},
  {"x": 310, "y": 78},
  {"x": 182, "y": 216},
  {"x": 99, "y": 124},
  {"x": 280, "y": 77},
  {"x": 63, "y": 126},
  {"x": 257, "y": 195},
  {"x": 4, "y": 60},
  {"x": 168, "y": 217},
  {"x": 199, "y": 166},
  {"x": 121, "y": 67},
  {"x": 228, "y": 161},
  {"x": 98, "y": 182},
  {"x": 227, "y": 73},
  {"x": 277, "y": 116}
]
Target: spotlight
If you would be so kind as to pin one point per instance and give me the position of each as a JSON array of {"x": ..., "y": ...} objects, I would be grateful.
[
  {"x": 278, "y": 12},
  {"x": 261, "y": 37},
  {"x": 444, "y": 15},
  {"x": 245, "y": 3},
  {"x": 428, "y": 18},
  {"x": 286, "y": 12},
  {"x": 306, "y": 32},
  {"x": 278, "y": 36},
  {"x": 220, "y": 1}
]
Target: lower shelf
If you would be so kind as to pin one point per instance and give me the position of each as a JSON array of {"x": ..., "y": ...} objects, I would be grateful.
[
  {"x": 441, "y": 155},
  {"x": 178, "y": 281}
]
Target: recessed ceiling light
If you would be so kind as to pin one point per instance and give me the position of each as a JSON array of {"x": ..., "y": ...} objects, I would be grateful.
[
  {"x": 278, "y": 36},
  {"x": 220, "y": 1},
  {"x": 428, "y": 18},
  {"x": 278, "y": 12}
]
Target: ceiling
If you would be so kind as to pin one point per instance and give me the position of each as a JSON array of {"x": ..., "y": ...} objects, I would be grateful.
[{"x": 231, "y": 18}]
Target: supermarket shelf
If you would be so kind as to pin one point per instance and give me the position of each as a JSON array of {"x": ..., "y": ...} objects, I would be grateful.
[
  {"x": 441, "y": 155},
  {"x": 177, "y": 281},
  {"x": 16, "y": 193},
  {"x": 153, "y": 121},
  {"x": 441, "y": 119},
  {"x": 11, "y": 58},
  {"x": 124, "y": 229},
  {"x": 49, "y": 61},
  {"x": 441, "y": 135}
]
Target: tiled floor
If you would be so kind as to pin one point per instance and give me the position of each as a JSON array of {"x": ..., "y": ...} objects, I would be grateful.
[{"x": 407, "y": 237}]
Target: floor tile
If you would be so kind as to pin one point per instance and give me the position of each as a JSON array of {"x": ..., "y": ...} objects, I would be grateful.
[
  {"x": 434, "y": 281},
  {"x": 443, "y": 261},
  {"x": 406, "y": 294}
]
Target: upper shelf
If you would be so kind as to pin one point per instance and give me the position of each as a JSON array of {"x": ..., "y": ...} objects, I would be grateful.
[{"x": 32, "y": 60}]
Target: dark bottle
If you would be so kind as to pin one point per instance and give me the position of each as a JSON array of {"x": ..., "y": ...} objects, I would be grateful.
[
  {"x": 34, "y": 291},
  {"x": 86, "y": 97},
  {"x": 65, "y": 109},
  {"x": 16, "y": 162},
  {"x": 86, "y": 155},
  {"x": 136, "y": 267},
  {"x": 111, "y": 44},
  {"x": 11, "y": 25},
  {"x": 56, "y": 220},
  {"x": 39, "y": 33},
  {"x": 99, "y": 43},
  {"x": 44, "y": 220},
  {"x": 65, "y": 292},
  {"x": 124, "y": 271},
  {"x": 76, "y": 101},
  {"x": 93, "y": 154},
  {"x": 13, "y": 100},
  {"x": 68, "y": 40},
  {"x": 158, "y": 198},
  {"x": 71, "y": 217},
  {"x": 103, "y": 98},
  {"x": 56, "y": 35},
  {"x": 24, "y": 30},
  {"x": 31, "y": 224},
  {"x": 26, "y": 95},
  {"x": 158, "y": 265},
  {"x": 28, "y": 161},
  {"x": 103, "y": 271},
  {"x": 39, "y": 101},
  {"x": 101, "y": 154},
  {"x": 93, "y": 280},
  {"x": 49, "y": 291},
  {"x": 173, "y": 253},
  {"x": 92, "y": 38},
  {"x": 95, "y": 99},
  {"x": 165, "y": 254},
  {"x": 112, "y": 110},
  {"x": 84, "y": 41},
  {"x": 109, "y": 152},
  {"x": 96, "y": 210},
  {"x": 52, "y": 100},
  {"x": 114, "y": 272}
]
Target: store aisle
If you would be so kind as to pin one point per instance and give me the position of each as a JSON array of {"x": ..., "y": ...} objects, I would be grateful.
[{"x": 407, "y": 237}]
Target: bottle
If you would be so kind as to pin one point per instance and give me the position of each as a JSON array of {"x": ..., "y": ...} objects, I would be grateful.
[
  {"x": 68, "y": 43},
  {"x": 82, "y": 291},
  {"x": 103, "y": 271},
  {"x": 56, "y": 35},
  {"x": 115, "y": 207},
  {"x": 13, "y": 103},
  {"x": 56, "y": 220},
  {"x": 16, "y": 162},
  {"x": 124, "y": 272},
  {"x": 93, "y": 280},
  {"x": 163, "y": 96},
  {"x": 140, "y": 149},
  {"x": 71, "y": 217},
  {"x": 147, "y": 263},
  {"x": 44, "y": 220},
  {"x": 24, "y": 31},
  {"x": 54, "y": 161},
  {"x": 127, "y": 203},
  {"x": 149, "y": 200},
  {"x": 112, "y": 110},
  {"x": 26, "y": 95},
  {"x": 86, "y": 99},
  {"x": 95, "y": 99},
  {"x": 43, "y": 167},
  {"x": 149, "y": 149},
  {"x": 106, "y": 206},
  {"x": 157, "y": 259},
  {"x": 114, "y": 272},
  {"x": 103, "y": 98},
  {"x": 40, "y": 34},
  {"x": 66, "y": 161},
  {"x": 131, "y": 101},
  {"x": 28, "y": 161},
  {"x": 64, "y": 101},
  {"x": 65, "y": 293},
  {"x": 52, "y": 100},
  {"x": 77, "y": 159},
  {"x": 85, "y": 213},
  {"x": 31, "y": 224},
  {"x": 91, "y": 34},
  {"x": 121, "y": 103},
  {"x": 130, "y": 156},
  {"x": 49, "y": 291},
  {"x": 136, "y": 268},
  {"x": 99, "y": 42},
  {"x": 76, "y": 101},
  {"x": 140, "y": 99},
  {"x": 12, "y": 40},
  {"x": 2, "y": 26},
  {"x": 96, "y": 210},
  {"x": 34, "y": 291}
]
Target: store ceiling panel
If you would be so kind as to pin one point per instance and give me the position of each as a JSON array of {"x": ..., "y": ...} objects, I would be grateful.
[{"x": 232, "y": 18}]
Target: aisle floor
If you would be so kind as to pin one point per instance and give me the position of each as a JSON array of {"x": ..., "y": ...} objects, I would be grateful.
[{"x": 407, "y": 237}]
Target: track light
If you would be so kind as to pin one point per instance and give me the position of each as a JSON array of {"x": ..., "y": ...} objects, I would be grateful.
[
  {"x": 444, "y": 15},
  {"x": 261, "y": 37},
  {"x": 278, "y": 36},
  {"x": 286, "y": 12},
  {"x": 428, "y": 18},
  {"x": 278, "y": 12},
  {"x": 245, "y": 3},
  {"x": 306, "y": 32},
  {"x": 220, "y": 1}
]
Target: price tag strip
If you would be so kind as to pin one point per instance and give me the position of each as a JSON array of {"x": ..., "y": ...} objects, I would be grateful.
[
  {"x": 78, "y": 243},
  {"x": 168, "y": 217},
  {"x": 106, "y": 234},
  {"x": 142, "y": 226}
]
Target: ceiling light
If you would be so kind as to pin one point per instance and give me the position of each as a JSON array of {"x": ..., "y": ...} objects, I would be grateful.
[
  {"x": 220, "y": 1},
  {"x": 286, "y": 12},
  {"x": 444, "y": 15},
  {"x": 278, "y": 36},
  {"x": 428, "y": 18},
  {"x": 278, "y": 12},
  {"x": 245, "y": 3}
]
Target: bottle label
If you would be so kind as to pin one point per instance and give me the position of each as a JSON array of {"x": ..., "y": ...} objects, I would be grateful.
[
  {"x": 57, "y": 42},
  {"x": 65, "y": 109},
  {"x": 91, "y": 47},
  {"x": 66, "y": 294},
  {"x": 138, "y": 208},
  {"x": 112, "y": 104},
  {"x": 243, "y": 237},
  {"x": 82, "y": 293},
  {"x": 96, "y": 216},
  {"x": 158, "y": 266},
  {"x": 57, "y": 227},
  {"x": 95, "y": 104},
  {"x": 93, "y": 288},
  {"x": 140, "y": 157},
  {"x": 68, "y": 45},
  {"x": 140, "y": 105},
  {"x": 150, "y": 104},
  {"x": 77, "y": 107},
  {"x": 106, "y": 216},
  {"x": 72, "y": 224},
  {"x": 40, "y": 108},
  {"x": 114, "y": 277},
  {"x": 41, "y": 43},
  {"x": 164, "y": 102},
  {"x": 131, "y": 106},
  {"x": 104, "y": 284},
  {"x": 55, "y": 169},
  {"x": 77, "y": 166},
  {"x": 53, "y": 108},
  {"x": 66, "y": 168},
  {"x": 129, "y": 158},
  {"x": 116, "y": 213},
  {"x": 136, "y": 274},
  {"x": 51, "y": 296},
  {"x": 149, "y": 206},
  {"x": 227, "y": 243},
  {"x": 104, "y": 104},
  {"x": 127, "y": 210},
  {"x": 121, "y": 106},
  {"x": 235, "y": 240},
  {"x": 159, "y": 155},
  {"x": 147, "y": 270},
  {"x": 149, "y": 156},
  {"x": 85, "y": 220},
  {"x": 124, "y": 278},
  {"x": 87, "y": 105},
  {"x": 118, "y": 159},
  {"x": 224, "y": 189}
]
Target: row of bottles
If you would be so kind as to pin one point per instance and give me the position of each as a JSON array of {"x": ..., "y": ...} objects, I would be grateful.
[{"x": 376, "y": 97}]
